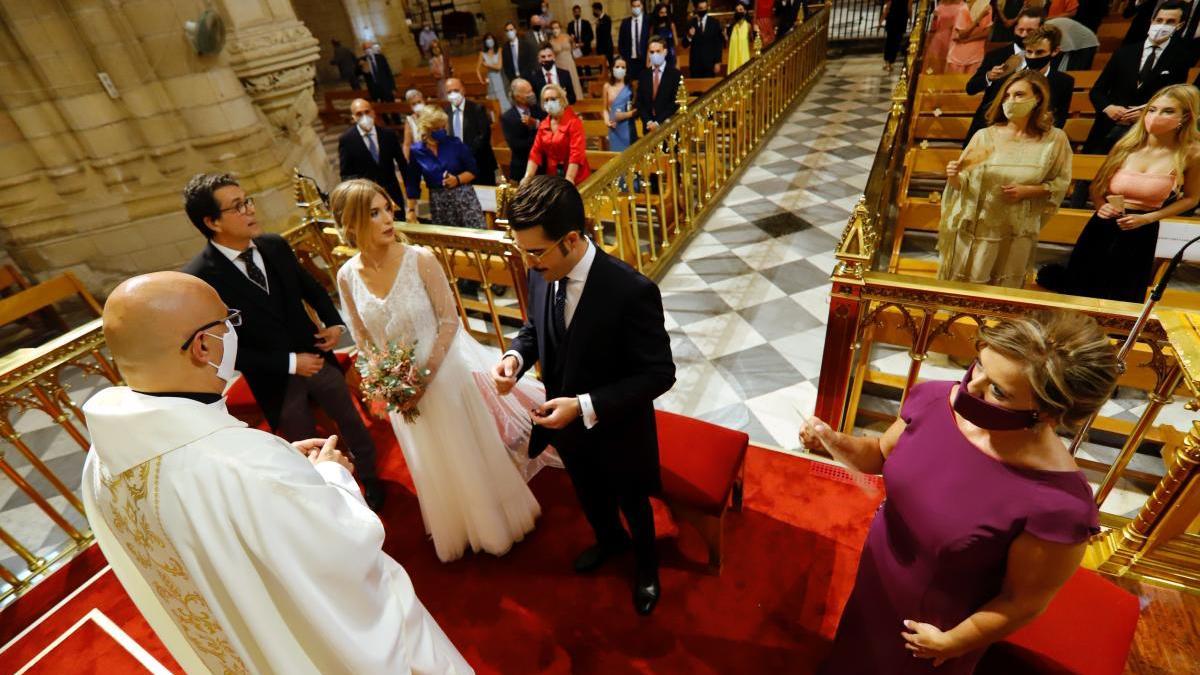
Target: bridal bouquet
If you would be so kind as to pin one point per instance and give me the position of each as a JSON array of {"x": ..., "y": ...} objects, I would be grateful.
[{"x": 391, "y": 378}]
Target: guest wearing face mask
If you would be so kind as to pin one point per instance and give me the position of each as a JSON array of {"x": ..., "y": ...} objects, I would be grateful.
[
  {"x": 369, "y": 151},
  {"x": 448, "y": 169},
  {"x": 657, "y": 88},
  {"x": 519, "y": 54},
  {"x": 1004, "y": 187},
  {"x": 490, "y": 71},
  {"x": 664, "y": 28},
  {"x": 471, "y": 124},
  {"x": 972, "y": 24},
  {"x": 1041, "y": 46},
  {"x": 1003, "y": 61},
  {"x": 741, "y": 37},
  {"x": 937, "y": 585},
  {"x": 1152, "y": 173},
  {"x": 520, "y": 125},
  {"x": 619, "y": 111},
  {"x": 705, "y": 42},
  {"x": 548, "y": 72},
  {"x": 604, "y": 43},
  {"x": 560, "y": 147},
  {"x": 580, "y": 30},
  {"x": 440, "y": 67},
  {"x": 634, "y": 39},
  {"x": 416, "y": 100}
]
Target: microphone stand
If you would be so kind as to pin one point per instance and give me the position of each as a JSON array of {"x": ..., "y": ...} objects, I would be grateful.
[{"x": 1138, "y": 326}]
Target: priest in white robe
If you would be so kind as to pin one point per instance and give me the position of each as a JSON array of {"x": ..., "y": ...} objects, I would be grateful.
[{"x": 245, "y": 553}]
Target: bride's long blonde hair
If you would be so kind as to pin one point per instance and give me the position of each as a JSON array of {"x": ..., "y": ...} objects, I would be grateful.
[
  {"x": 350, "y": 202},
  {"x": 1187, "y": 139}
]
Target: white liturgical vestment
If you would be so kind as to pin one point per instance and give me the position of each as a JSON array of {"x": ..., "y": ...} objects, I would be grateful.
[{"x": 243, "y": 556}]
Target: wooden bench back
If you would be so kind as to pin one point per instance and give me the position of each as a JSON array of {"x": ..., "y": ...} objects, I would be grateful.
[{"x": 35, "y": 298}]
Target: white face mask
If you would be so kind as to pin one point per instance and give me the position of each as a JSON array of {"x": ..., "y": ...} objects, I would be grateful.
[
  {"x": 489, "y": 43},
  {"x": 553, "y": 107},
  {"x": 512, "y": 34},
  {"x": 366, "y": 123},
  {"x": 418, "y": 107},
  {"x": 376, "y": 50},
  {"x": 1018, "y": 110},
  {"x": 227, "y": 366},
  {"x": 657, "y": 59},
  {"x": 455, "y": 98},
  {"x": 1160, "y": 32},
  {"x": 637, "y": 11},
  {"x": 619, "y": 73}
]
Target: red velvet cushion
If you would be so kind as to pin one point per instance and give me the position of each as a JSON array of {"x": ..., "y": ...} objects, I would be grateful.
[
  {"x": 240, "y": 401},
  {"x": 699, "y": 460},
  {"x": 1088, "y": 629}
]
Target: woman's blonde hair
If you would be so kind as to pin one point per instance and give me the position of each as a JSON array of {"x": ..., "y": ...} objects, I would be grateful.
[
  {"x": 1041, "y": 119},
  {"x": 1187, "y": 139},
  {"x": 1068, "y": 359},
  {"x": 430, "y": 119},
  {"x": 350, "y": 202},
  {"x": 562, "y": 94}
]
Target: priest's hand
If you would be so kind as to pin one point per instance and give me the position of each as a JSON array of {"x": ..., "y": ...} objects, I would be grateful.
[
  {"x": 330, "y": 453},
  {"x": 557, "y": 412}
]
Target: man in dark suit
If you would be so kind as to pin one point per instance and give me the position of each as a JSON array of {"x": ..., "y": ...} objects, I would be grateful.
[
  {"x": 549, "y": 72},
  {"x": 286, "y": 360},
  {"x": 707, "y": 42},
  {"x": 373, "y": 152},
  {"x": 785, "y": 12},
  {"x": 1041, "y": 47},
  {"x": 633, "y": 40},
  {"x": 596, "y": 327},
  {"x": 518, "y": 55},
  {"x": 380, "y": 81},
  {"x": 346, "y": 63},
  {"x": 519, "y": 124},
  {"x": 657, "y": 88},
  {"x": 1001, "y": 62},
  {"x": 471, "y": 123},
  {"x": 604, "y": 45},
  {"x": 580, "y": 30},
  {"x": 1133, "y": 74}
]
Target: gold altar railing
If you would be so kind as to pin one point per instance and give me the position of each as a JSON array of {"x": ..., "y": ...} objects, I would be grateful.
[
  {"x": 646, "y": 203},
  {"x": 870, "y": 307}
]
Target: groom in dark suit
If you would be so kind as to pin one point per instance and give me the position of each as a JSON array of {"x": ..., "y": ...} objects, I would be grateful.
[
  {"x": 596, "y": 326},
  {"x": 284, "y": 357}
]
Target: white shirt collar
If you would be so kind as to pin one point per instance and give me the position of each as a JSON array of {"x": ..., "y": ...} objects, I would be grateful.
[
  {"x": 1018, "y": 50},
  {"x": 364, "y": 134},
  {"x": 1148, "y": 45},
  {"x": 580, "y": 271},
  {"x": 229, "y": 252}
]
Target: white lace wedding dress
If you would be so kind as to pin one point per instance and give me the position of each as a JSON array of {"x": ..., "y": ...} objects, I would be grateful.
[{"x": 467, "y": 451}]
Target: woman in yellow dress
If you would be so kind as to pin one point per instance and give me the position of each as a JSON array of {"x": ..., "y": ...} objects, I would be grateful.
[
  {"x": 741, "y": 37},
  {"x": 1004, "y": 187}
]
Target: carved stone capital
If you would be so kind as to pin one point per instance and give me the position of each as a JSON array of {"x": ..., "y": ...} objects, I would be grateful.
[{"x": 275, "y": 63}]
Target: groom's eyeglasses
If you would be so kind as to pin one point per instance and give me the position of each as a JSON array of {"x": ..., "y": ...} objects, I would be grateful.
[
  {"x": 234, "y": 318},
  {"x": 535, "y": 257}
]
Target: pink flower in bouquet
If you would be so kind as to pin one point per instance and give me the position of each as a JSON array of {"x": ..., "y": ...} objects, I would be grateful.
[{"x": 391, "y": 378}]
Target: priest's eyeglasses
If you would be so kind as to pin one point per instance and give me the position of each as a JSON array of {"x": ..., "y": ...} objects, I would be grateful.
[
  {"x": 536, "y": 258},
  {"x": 234, "y": 318},
  {"x": 243, "y": 207}
]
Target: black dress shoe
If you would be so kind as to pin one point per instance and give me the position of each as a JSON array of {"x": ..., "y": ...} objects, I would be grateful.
[
  {"x": 594, "y": 557},
  {"x": 646, "y": 591}
]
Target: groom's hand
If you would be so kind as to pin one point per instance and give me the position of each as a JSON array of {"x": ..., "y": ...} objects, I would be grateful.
[
  {"x": 504, "y": 375},
  {"x": 557, "y": 413}
]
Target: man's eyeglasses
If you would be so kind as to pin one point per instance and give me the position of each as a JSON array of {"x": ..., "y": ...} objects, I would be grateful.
[
  {"x": 234, "y": 318},
  {"x": 244, "y": 207},
  {"x": 536, "y": 258}
]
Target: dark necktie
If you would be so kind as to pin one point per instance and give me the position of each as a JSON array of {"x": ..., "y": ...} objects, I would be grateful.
[
  {"x": 560, "y": 310},
  {"x": 1148, "y": 66},
  {"x": 252, "y": 269}
]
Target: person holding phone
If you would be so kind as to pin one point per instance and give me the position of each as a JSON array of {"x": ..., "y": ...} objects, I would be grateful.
[{"x": 1152, "y": 173}]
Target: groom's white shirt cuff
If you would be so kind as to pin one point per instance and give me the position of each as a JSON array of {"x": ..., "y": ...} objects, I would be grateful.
[{"x": 586, "y": 411}]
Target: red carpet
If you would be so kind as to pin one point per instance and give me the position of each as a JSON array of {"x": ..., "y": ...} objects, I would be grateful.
[{"x": 790, "y": 557}]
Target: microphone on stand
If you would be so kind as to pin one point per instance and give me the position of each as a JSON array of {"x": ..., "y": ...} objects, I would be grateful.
[{"x": 1155, "y": 296}]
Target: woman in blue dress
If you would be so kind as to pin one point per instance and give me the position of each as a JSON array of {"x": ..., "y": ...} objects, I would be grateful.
[{"x": 619, "y": 112}]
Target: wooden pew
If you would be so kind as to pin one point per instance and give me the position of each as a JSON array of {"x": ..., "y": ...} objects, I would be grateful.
[{"x": 595, "y": 158}]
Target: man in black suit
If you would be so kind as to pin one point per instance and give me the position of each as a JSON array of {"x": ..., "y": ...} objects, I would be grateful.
[
  {"x": 346, "y": 63},
  {"x": 519, "y": 124},
  {"x": 1001, "y": 62},
  {"x": 604, "y": 45},
  {"x": 785, "y": 12},
  {"x": 518, "y": 55},
  {"x": 657, "y": 88},
  {"x": 580, "y": 30},
  {"x": 471, "y": 123},
  {"x": 1041, "y": 46},
  {"x": 373, "y": 152},
  {"x": 596, "y": 327},
  {"x": 707, "y": 42},
  {"x": 549, "y": 72},
  {"x": 1133, "y": 74},
  {"x": 380, "y": 81},
  {"x": 633, "y": 41},
  {"x": 285, "y": 358}
]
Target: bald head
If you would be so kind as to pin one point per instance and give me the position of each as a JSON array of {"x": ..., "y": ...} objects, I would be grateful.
[
  {"x": 360, "y": 107},
  {"x": 147, "y": 319},
  {"x": 454, "y": 84}
]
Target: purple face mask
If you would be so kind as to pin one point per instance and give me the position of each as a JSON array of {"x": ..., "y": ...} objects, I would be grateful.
[{"x": 988, "y": 415}]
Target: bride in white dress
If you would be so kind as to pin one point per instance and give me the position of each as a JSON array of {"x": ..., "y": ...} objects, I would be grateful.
[{"x": 467, "y": 451}]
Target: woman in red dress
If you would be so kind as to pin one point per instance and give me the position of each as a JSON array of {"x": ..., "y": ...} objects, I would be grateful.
[{"x": 560, "y": 147}]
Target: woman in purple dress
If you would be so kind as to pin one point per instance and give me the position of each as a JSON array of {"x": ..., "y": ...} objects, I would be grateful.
[{"x": 987, "y": 515}]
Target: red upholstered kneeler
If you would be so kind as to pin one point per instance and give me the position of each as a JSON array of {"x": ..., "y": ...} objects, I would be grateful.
[
  {"x": 1087, "y": 629},
  {"x": 702, "y": 469},
  {"x": 241, "y": 404}
]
